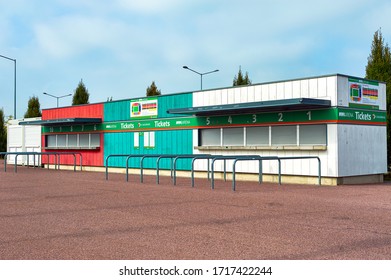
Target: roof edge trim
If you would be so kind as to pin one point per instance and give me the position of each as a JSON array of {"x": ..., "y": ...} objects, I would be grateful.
[
  {"x": 260, "y": 106},
  {"x": 65, "y": 121}
]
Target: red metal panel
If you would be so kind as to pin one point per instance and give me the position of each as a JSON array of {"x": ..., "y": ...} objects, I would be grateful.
[
  {"x": 82, "y": 111},
  {"x": 90, "y": 157}
]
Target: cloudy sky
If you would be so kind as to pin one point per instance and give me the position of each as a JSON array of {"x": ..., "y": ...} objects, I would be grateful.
[{"x": 119, "y": 47}]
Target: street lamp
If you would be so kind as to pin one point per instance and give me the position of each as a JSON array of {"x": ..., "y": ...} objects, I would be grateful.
[
  {"x": 201, "y": 74},
  {"x": 14, "y": 60},
  {"x": 58, "y": 97}
]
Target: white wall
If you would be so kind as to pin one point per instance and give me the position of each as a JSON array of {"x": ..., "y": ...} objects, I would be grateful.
[
  {"x": 23, "y": 139},
  {"x": 351, "y": 149},
  {"x": 322, "y": 88},
  {"x": 14, "y": 141},
  {"x": 305, "y": 167},
  {"x": 362, "y": 150}
]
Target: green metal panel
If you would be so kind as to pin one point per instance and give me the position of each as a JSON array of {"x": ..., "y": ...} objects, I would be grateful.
[
  {"x": 116, "y": 110},
  {"x": 175, "y": 142},
  {"x": 120, "y": 110},
  {"x": 117, "y": 143},
  {"x": 332, "y": 115},
  {"x": 166, "y": 102},
  {"x": 166, "y": 142}
]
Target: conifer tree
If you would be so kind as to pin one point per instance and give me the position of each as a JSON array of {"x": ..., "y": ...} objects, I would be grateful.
[
  {"x": 239, "y": 80},
  {"x": 152, "y": 90},
  {"x": 81, "y": 95},
  {"x": 379, "y": 68},
  {"x": 33, "y": 108}
]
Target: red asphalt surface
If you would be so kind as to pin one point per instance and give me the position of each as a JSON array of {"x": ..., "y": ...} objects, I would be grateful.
[{"x": 51, "y": 214}]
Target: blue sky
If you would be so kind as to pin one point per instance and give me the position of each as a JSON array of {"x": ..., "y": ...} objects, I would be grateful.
[{"x": 119, "y": 47}]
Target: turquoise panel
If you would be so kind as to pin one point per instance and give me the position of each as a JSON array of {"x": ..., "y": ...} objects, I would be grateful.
[
  {"x": 117, "y": 143},
  {"x": 116, "y": 111},
  {"x": 167, "y": 102},
  {"x": 166, "y": 142},
  {"x": 120, "y": 110}
]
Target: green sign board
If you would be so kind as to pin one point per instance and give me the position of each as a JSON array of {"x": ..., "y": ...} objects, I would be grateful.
[
  {"x": 332, "y": 115},
  {"x": 363, "y": 94},
  {"x": 362, "y": 116},
  {"x": 144, "y": 108}
]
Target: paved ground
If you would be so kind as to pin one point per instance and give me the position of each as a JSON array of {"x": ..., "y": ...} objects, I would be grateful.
[{"x": 48, "y": 214}]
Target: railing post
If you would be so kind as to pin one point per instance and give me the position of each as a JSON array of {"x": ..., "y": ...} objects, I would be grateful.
[
  {"x": 213, "y": 175},
  {"x": 192, "y": 172},
  {"x": 174, "y": 170},
  {"x": 233, "y": 175},
  {"x": 141, "y": 168},
  {"x": 157, "y": 169},
  {"x": 127, "y": 168},
  {"x": 260, "y": 171},
  {"x": 320, "y": 170},
  {"x": 107, "y": 167},
  {"x": 16, "y": 160},
  {"x": 279, "y": 171},
  {"x": 5, "y": 162}
]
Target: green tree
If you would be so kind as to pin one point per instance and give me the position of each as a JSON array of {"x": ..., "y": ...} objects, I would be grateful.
[
  {"x": 152, "y": 90},
  {"x": 379, "y": 68},
  {"x": 239, "y": 80},
  {"x": 3, "y": 133},
  {"x": 33, "y": 108},
  {"x": 81, "y": 95}
]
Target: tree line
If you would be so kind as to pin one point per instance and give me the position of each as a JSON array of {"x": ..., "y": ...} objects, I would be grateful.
[
  {"x": 81, "y": 94},
  {"x": 379, "y": 68}
]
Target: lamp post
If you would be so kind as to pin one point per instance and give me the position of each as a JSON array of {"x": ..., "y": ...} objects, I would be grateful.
[
  {"x": 14, "y": 60},
  {"x": 58, "y": 97},
  {"x": 201, "y": 74}
]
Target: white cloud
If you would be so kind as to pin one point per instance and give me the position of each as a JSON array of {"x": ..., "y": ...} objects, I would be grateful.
[{"x": 73, "y": 35}]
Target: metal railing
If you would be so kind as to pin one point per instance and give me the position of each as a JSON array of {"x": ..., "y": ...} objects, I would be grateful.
[
  {"x": 210, "y": 166},
  {"x": 184, "y": 157},
  {"x": 107, "y": 162},
  {"x": 56, "y": 155},
  {"x": 303, "y": 157},
  {"x": 249, "y": 158},
  {"x": 225, "y": 158}
]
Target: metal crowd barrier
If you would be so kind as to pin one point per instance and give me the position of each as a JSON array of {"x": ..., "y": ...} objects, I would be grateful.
[
  {"x": 107, "y": 162},
  {"x": 159, "y": 157},
  {"x": 167, "y": 156},
  {"x": 259, "y": 159},
  {"x": 304, "y": 157},
  {"x": 185, "y": 157},
  {"x": 57, "y": 158},
  {"x": 175, "y": 157},
  {"x": 142, "y": 156},
  {"x": 208, "y": 157},
  {"x": 225, "y": 158}
]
